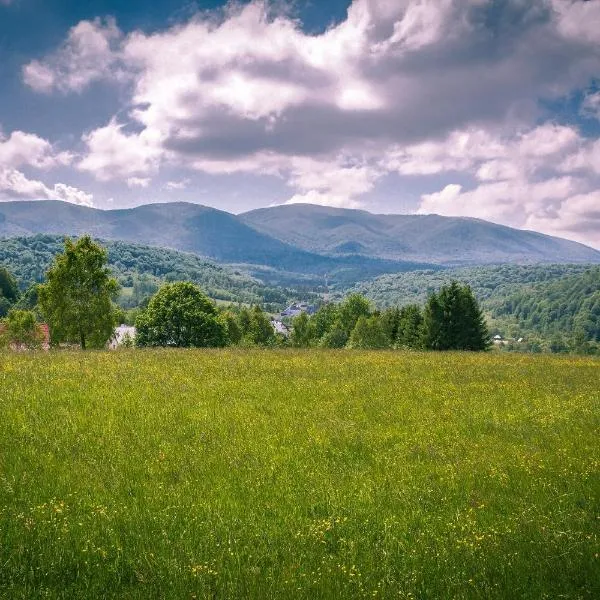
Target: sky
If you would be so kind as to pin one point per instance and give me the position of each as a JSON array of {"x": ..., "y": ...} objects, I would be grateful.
[{"x": 478, "y": 108}]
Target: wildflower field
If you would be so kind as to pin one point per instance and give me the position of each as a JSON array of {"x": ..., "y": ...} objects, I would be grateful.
[{"x": 284, "y": 474}]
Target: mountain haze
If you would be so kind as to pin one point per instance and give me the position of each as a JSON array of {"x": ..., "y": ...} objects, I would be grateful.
[{"x": 428, "y": 238}]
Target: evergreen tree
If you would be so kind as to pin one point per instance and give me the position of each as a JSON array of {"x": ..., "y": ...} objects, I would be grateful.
[
  {"x": 473, "y": 331},
  {"x": 434, "y": 336},
  {"x": 453, "y": 320},
  {"x": 410, "y": 328},
  {"x": 390, "y": 322}
]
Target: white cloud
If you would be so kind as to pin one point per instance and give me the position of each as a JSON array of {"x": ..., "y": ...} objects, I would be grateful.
[
  {"x": 530, "y": 182},
  {"x": 15, "y": 185},
  {"x": 413, "y": 87},
  {"x": 578, "y": 19},
  {"x": 177, "y": 185},
  {"x": 115, "y": 154},
  {"x": 253, "y": 84},
  {"x": 586, "y": 158},
  {"x": 87, "y": 55},
  {"x": 339, "y": 182},
  {"x": 578, "y": 218},
  {"x": 22, "y": 148},
  {"x": 512, "y": 202},
  {"x": 141, "y": 182}
]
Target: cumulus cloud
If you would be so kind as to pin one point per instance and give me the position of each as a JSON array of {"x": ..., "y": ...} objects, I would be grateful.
[
  {"x": 535, "y": 179},
  {"x": 87, "y": 55},
  {"x": 115, "y": 154},
  {"x": 340, "y": 182},
  {"x": 414, "y": 87},
  {"x": 15, "y": 185},
  {"x": 22, "y": 148},
  {"x": 393, "y": 72}
]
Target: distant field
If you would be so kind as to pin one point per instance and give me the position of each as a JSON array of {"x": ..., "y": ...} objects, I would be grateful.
[{"x": 265, "y": 474}]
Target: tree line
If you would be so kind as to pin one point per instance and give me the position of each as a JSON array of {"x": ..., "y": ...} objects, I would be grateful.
[
  {"x": 450, "y": 320},
  {"x": 78, "y": 297}
]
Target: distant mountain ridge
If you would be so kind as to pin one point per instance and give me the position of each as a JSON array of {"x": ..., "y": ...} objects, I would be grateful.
[
  {"x": 299, "y": 238},
  {"x": 194, "y": 228},
  {"x": 429, "y": 238}
]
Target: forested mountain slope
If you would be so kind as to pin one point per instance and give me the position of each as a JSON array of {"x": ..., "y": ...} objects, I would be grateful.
[
  {"x": 140, "y": 268},
  {"x": 570, "y": 305},
  {"x": 205, "y": 231},
  {"x": 299, "y": 238},
  {"x": 545, "y": 299}
]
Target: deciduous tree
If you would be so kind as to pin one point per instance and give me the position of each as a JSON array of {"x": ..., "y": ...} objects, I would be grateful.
[
  {"x": 77, "y": 299},
  {"x": 180, "y": 315}
]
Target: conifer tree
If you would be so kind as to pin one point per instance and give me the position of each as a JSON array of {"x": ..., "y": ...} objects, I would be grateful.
[{"x": 453, "y": 320}]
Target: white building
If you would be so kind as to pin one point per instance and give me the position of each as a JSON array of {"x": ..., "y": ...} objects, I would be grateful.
[
  {"x": 122, "y": 336},
  {"x": 280, "y": 327}
]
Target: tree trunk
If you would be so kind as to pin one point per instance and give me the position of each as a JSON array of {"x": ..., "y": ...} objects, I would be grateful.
[{"x": 82, "y": 339}]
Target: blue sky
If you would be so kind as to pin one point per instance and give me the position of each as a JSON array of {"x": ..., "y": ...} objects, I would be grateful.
[{"x": 482, "y": 108}]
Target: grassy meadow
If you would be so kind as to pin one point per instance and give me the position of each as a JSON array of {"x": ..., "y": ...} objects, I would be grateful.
[{"x": 283, "y": 474}]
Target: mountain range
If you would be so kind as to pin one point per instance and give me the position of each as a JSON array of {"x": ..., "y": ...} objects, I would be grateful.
[
  {"x": 426, "y": 238},
  {"x": 349, "y": 245}
]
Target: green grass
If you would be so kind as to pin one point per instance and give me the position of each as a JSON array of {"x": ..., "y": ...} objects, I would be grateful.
[{"x": 265, "y": 474}]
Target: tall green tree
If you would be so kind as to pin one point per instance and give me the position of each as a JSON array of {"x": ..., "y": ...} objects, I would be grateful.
[
  {"x": 234, "y": 331},
  {"x": 77, "y": 298},
  {"x": 261, "y": 331},
  {"x": 301, "y": 335},
  {"x": 351, "y": 309},
  {"x": 180, "y": 315},
  {"x": 410, "y": 327},
  {"x": 390, "y": 321},
  {"x": 323, "y": 320},
  {"x": 453, "y": 320}
]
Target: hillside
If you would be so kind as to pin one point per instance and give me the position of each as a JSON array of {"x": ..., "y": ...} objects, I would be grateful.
[
  {"x": 207, "y": 232},
  {"x": 140, "y": 269},
  {"x": 523, "y": 299},
  {"x": 426, "y": 238},
  {"x": 569, "y": 305}
]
